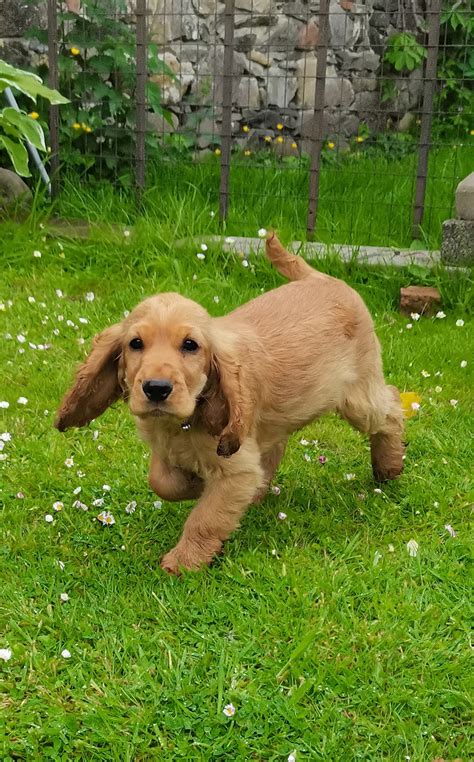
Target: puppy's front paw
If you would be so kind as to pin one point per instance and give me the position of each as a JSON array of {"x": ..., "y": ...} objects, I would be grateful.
[{"x": 190, "y": 556}]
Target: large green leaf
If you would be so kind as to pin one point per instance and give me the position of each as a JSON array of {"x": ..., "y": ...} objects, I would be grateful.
[
  {"x": 29, "y": 129},
  {"x": 27, "y": 83},
  {"x": 18, "y": 155}
]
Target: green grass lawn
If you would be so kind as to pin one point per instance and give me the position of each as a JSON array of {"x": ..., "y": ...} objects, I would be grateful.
[{"x": 327, "y": 637}]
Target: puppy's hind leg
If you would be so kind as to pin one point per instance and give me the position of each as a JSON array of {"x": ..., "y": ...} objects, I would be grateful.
[
  {"x": 377, "y": 411},
  {"x": 269, "y": 462}
]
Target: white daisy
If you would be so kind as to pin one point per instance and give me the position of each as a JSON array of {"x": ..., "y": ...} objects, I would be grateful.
[
  {"x": 90, "y": 296},
  {"x": 282, "y": 516},
  {"x": 203, "y": 247},
  {"x": 37, "y": 254},
  {"x": 349, "y": 477},
  {"x": 460, "y": 323},
  {"x": 58, "y": 506},
  {"x": 59, "y": 293},
  {"x": 48, "y": 518},
  {"x": 463, "y": 363},
  {"x": 22, "y": 401},
  {"x": 81, "y": 506},
  {"x": 64, "y": 597},
  {"x": 5, "y": 654},
  {"x": 98, "y": 503},
  {"x": 412, "y": 547},
  {"x": 6, "y": 437},
  {"x": 4, "y": 404},
  {"x": 453, "y": 402},
  {"x": 377, "y": 557},
  {"x": 449, "y": 529},
  {"x": 65, "y": 654},
  {"x": 106, "y": 518},
  {"x": 21, "y": 338},
  {"x": 131, "y": 507},
  {"x": 200, "y": 255},
  {"x": 262, "y": 233},
  {"x": 415, "y": 316},
  {"x": 425, "y": 374},
  {"x": 106, "y": 488},
  {"x": 31, "y": 299},
  {"x": 69, "y": 462},
  {"x": 276, "y": 490},
  {"x": 245, "y": 263},
  {"x": 440, "y": 315},
  {"x": 229, "y": 710},
  {"x": 157, "y": 504},
  {"x": 76, "y": 491}
]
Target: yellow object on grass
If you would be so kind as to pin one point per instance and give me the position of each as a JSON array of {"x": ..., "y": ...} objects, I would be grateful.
[{"x": 410, "y": 403}]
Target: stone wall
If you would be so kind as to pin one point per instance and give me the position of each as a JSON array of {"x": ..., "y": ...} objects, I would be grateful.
[{"x": 274, "y": 63}]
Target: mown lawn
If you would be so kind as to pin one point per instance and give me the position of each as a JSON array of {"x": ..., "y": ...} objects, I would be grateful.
[{"x": 330, "y": 640}]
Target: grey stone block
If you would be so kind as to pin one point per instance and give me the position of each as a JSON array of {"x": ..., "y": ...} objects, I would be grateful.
[
  {"x": 465, "y": 198},
  {"x": 457, "y": 245}
]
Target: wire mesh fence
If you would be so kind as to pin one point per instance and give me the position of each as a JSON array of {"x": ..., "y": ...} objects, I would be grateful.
[{"x": 359, "y": 111}]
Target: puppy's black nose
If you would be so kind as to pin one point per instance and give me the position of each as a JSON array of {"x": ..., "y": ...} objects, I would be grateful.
[{"x": 157, "y": 389}]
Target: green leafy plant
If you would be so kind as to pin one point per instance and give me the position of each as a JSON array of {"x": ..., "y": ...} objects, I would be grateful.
[
  {"x": 404, "y": 53},
  {"x": 17, "y": 127},
  {"x": 455, "y": 100},
  {"x": 97, "y": 68}
]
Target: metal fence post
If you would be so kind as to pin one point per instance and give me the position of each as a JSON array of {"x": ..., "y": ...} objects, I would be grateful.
[
  {"x": 317, "y": 132},
  {"x": 433, "y": 11},
  {"x": 140, "y": 94},
  {"x": 53, "y": 81},
  {"x": 226, "y": 130}
]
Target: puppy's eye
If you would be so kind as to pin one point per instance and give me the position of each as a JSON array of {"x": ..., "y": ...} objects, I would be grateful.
[
  {"x": 136, "y": 343},
  {"x": 189, "y": 345}
]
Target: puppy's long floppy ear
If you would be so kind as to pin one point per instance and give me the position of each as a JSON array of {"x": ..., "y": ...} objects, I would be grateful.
[
  {"x": 96, "y": 385},
  {"x": 229, "y": 404}
]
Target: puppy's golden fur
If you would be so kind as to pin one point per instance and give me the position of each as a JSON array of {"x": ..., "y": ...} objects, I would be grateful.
[{"x": 258, "y": 374}]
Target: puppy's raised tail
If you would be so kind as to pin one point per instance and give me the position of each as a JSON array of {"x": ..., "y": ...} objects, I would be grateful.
[{"x": 289, "y": 265}]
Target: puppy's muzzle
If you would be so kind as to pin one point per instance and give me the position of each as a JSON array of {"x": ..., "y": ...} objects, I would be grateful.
[{"x": 157, "y": 389}]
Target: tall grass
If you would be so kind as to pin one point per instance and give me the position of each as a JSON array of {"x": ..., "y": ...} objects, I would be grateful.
[{"x": 365, "y": 199}]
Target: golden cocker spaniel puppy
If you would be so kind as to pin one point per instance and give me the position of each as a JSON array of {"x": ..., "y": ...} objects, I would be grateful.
[{"x": 216, "y": 398}]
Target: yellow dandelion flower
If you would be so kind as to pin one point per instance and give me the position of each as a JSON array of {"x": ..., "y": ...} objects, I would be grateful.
[
  {"x": 279, "y": 139},
  {"x": 294, "y": 145},
  {"x": 471, "y": 132},
  {"x": 268, "y": 139},
  {"x": 247, "y": 152},
  {"x": 410, "y": 403},
  {"x": 245, "y": 128},
  {"x": 76, "y": 126},
  {"x": 74, "y": 51},
  {"x": 88, "y": 129},
  {"x": 331, "y": 145},
  {"x": 217, "y": 152},
  {"x": 359, "y": 139},
  {"x": 33, "y": 115},
  {"x": 279, "y": 126}
]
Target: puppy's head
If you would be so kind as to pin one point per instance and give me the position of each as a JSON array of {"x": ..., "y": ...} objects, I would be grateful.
[{"x": 161, "y": 359}]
